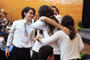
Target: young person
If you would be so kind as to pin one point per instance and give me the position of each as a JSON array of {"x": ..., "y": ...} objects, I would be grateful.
[
  {"x": 56, "y": 14},
  {"x": 46, "y": 15},
  {"x": 5, "y": 16},
  {"x": 70, "y": 45},
  {"x": 45, "y": 29},
  {"x": 21, "y": 35},
  {"x": 46, "y": 53}
]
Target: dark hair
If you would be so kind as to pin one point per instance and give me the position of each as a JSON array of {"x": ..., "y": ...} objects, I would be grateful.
[
  {"x": 68, "y": 22},
  {"x": 5, "y": 35},
  {"x": 26, "y": 9},
  {"x": 2, "y": 34},
  {"x": 4, "y": 26},
  {"x": 4, "y": 21},
  {"x": 8, "y": 22},
  {"x": 45, "y": 51},
  {"x": 5, "y": 13},
  {"x": 55, "y": 8},
  {"x": 1, "y": 26},
  {"x": 48, "y": 12},
  {"x": 45, "y": 11},
  {"x": 11, "y": 23}
]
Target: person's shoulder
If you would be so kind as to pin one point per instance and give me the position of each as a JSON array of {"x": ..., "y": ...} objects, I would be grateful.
[
  {"x": 77, "y": 35},
  {"x": 60, "y": 32},
  {"x": 58, "y": 15},
  {"x": 41, "y": 18},
  {"x": 17, "y": 21}
]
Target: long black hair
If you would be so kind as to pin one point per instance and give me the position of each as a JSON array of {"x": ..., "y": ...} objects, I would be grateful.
[
  {"x": 68, "y": 22},
  {"x": 48, "y": 12}
]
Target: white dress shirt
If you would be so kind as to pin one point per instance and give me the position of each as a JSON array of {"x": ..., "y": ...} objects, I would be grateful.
[
  {"x": 18, "y": 31},
  {"x": 69, "y": 49},
  {"x": 59, "y": 18},
  {"x": 42, "y": 26}
]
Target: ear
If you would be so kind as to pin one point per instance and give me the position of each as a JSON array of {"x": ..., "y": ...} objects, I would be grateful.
[
  {"x": 49, "y": 57},
  {"x": 25, "y": 13}
]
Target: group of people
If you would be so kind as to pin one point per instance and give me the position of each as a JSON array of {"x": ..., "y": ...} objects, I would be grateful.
[
  {"x": 57, "y": 38},
  {"x": 5, "y": 25},
  {"x": 5, "y": 16}
]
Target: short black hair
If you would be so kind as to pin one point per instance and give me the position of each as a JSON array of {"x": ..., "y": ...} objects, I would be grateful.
[
  {"x": 26, "y": 9},
  {"x": 44, "y": 52},
  {"x": 55, "y": 8}
]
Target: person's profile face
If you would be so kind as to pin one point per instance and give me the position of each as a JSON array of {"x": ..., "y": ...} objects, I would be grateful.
[
  {"x": 55, "y": 11},
  {"x": 29, "y": 15}
]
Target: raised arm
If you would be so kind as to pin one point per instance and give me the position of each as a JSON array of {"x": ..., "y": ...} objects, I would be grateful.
[
  {"x": 38, "y": 25},
  {"x": 50, "y": 21}
]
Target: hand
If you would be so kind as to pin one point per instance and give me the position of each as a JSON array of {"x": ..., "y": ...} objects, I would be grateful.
[
  {"x": 37, "y": 36},
  {"x": 35, "y": 39},
  {"x": 66, "y": 30},
  {"x": 7, "y": 53}
]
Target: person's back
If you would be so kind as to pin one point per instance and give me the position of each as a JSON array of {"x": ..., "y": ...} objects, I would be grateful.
[
  {"x": 70, "y": 48},
  {"x": 70, "y": 45}
]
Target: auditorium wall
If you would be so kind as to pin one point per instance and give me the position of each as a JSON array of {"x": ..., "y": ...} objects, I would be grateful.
[{"x": 66, "y": 7}]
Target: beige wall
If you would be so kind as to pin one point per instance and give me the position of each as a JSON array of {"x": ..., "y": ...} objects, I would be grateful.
[{"x": 66, "y": 7}]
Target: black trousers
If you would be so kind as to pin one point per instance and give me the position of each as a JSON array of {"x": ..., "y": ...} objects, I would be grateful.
[
  {"x": 20, "y": 54},
  {"x": 56, "y": 57},
  {"x": 2, "y": 55},
  {"x": 35, "y": 56}
]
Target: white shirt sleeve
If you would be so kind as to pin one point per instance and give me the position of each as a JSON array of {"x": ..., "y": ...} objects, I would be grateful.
[
  {"x": 53, "y": 38},
  {"x": 11, "y": 35},
  {"x": 81, "y": 45},
  {"x": 38, "y": 24}
]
